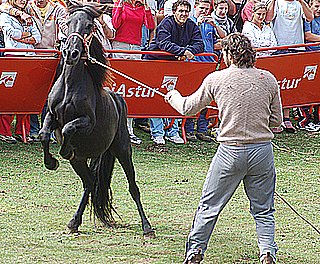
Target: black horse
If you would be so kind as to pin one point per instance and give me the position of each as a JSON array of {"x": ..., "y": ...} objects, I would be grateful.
[{"x": 89, "y": 122}]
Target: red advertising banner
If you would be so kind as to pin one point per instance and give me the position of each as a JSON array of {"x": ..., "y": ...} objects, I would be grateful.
[
  {"x": 297, "y": 74},
  {"x": 25, "y": 83}
]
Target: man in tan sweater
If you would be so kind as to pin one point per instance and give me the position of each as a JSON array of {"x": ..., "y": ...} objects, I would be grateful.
[{"x": 249, "y": 104}]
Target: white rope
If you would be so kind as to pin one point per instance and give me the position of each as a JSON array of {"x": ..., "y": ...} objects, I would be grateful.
[{"x": 94, "y": 61}]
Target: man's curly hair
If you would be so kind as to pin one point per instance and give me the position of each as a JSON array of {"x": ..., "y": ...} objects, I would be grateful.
[{"x": 240, "y": 49}]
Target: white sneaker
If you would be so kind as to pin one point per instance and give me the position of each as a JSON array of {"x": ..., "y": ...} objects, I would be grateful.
[
  {"x": 175, "y": 139},
  {"x": 158, "y": 140},
  {"x": 134, "y": 139}
]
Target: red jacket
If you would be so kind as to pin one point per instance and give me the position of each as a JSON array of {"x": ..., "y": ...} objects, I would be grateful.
[{"x": 128, "y": 20}]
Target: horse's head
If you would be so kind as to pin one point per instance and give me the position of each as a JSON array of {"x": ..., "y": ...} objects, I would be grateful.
[{"x": 81, "y": 26}]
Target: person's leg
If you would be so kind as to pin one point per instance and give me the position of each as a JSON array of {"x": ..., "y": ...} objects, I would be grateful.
[
  {"x": 19, "y": 119},
  {"x": 202, "y": 127},
  {"x": 227, "y": 169},
  {"x": 172, "y": 133},
  {"x": 157, "y": 130},
  {"x": 287, "y": 125},
  {"x": 5, "y": 125},
  {"x": 34, "y": 125},
  {"x": 202, "y": 122},
  {"x": 259, "y": 185},
  {"x": 189, "y": 128},
  {"x": 133, "y": 138}
]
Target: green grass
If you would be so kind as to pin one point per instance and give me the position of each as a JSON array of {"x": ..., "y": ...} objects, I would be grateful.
[{"x": 36, "y": 204}]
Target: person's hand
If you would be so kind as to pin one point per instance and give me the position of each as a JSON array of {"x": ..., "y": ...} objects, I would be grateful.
[
  {"x": 26, "y": 18},
  {"x": 189, "y": 55},
  {"x": 200, "y": 19}
]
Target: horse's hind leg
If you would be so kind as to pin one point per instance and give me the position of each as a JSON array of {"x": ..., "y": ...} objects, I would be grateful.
[
  {"x": 125, "y": 160},
  {"x": 49, "y": 124},
  {"x": 82, "y": 169}
]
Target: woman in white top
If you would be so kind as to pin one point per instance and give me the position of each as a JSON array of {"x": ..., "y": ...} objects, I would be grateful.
[{"x": 260, "y": 34}]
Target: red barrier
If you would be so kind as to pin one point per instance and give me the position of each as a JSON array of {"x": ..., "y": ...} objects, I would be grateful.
[
  {"x": 297, "y": 76},
  {"x": 25, "y": 82}
]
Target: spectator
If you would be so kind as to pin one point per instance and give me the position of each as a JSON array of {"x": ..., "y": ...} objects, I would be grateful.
[
  {"x": 127, "y": 19},
  {"x": 168, "y": 7},
  {"x": 180, "y": 36},
  {"x": 312, "y": 34},
  {"x": 209, "y": 30},
  {"x": 17, "y": 35},
  {"x": 259, "y": 33},
  {"x": 220, "y": 17},
  {"x": 245, "y": 153},
  {"x": 287, "y": 19},
  {"x": 51, "y": 21}
]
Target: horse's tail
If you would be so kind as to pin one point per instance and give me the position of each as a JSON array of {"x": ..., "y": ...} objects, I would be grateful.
[{"x": 101, "y": 196}]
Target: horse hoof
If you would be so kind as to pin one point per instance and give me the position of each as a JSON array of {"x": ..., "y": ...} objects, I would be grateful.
[
  {"x": 73, "y": 226},
  {"x": 149, "y": 234},
  {"x": 52, "y": 165}
]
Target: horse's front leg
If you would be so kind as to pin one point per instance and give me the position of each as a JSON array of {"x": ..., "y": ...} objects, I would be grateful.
[
  {"x": 82, "y": 169},
  {"x": 80, "y": 125},
  {"x": 49, "y": 124}
]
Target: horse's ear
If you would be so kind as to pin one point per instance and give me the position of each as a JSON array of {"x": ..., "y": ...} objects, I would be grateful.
[{"x": 71, "y": 4}]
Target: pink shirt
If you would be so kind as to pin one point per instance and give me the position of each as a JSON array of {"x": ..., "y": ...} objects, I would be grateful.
[
  {"x": 246, "y": 12},
  {"x": 128, "y": 20}
]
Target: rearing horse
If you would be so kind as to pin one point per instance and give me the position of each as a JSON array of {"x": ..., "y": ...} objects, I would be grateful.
[{"x": 90, "y": 123}]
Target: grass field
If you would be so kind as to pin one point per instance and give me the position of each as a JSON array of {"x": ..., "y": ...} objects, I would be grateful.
[{"x": 36, "y": 204}]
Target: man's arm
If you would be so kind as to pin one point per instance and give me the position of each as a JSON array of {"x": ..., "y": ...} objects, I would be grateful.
[
  {"x": 195, "y": 44},
  {"x": 270, "y": 13},
  {"x": 193, "y": 103},
  {"x": 306, "y": 10}
]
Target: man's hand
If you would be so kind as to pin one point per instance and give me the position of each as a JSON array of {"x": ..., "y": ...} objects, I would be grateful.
[
  {"x": 26, "y": 18},
  {"x": 188, "y": 54}
]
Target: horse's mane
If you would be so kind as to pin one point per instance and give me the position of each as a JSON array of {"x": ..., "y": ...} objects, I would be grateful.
[{"x": 99, "y": 74}]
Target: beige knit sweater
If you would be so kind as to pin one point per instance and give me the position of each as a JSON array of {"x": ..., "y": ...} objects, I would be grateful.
[{"x": 248, "y": 100}]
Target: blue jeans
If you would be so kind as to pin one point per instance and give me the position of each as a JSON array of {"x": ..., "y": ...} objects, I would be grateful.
[
  {"x": 254, "y": 165},
  {"x": 202, "y": 123},
  {"x": 34, "y": 125},
  {"x": 157, "y": 127}
]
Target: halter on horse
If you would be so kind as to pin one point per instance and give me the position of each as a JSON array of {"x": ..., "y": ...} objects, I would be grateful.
[{"x": 91, "y": 123}]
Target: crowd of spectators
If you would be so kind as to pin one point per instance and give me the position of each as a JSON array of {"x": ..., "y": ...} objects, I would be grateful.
[{"x": 181, "y": 27}]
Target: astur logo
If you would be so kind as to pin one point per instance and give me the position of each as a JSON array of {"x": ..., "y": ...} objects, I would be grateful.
[
  {"x": 169, "y": 82},
  {"x": 8, "y": 79},
  {"x": 310, "y": 72}
]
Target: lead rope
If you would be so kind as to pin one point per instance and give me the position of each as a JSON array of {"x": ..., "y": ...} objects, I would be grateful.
[{"x": 95, "y": 61}]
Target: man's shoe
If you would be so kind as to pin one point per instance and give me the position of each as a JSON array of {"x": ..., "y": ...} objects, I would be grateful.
[
  {"x": 191, "y": 137},
  {"x": 135, "y": 140},
  {"x": 204, "y": 137},
  {"x": 8, "y": 139},
  {"x": 158, "y": 140},
  {"x": 288, "y": 127},
  {"x": 175, "y": 139},
  {"x": 267, "y": 259},
  {"x": 195, "y": 259}
]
